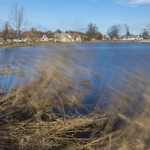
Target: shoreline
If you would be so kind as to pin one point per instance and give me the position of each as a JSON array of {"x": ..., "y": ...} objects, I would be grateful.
[{"x": 15, "y": 45}]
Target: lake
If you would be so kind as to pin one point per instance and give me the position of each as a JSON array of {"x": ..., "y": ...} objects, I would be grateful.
[{"x": 110, "y": 61}]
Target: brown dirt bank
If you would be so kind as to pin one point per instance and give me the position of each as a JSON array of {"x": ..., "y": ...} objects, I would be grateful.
[{"x": 61, "y": 43}]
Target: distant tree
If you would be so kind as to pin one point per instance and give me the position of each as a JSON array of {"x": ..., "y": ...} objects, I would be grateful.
[
  {"x": 49, "y": 34},
  {"x": 70, "y": 31},
  {"x": 128, "y": 33},
  {"x": 89, "y": 35},
  {"x": 58, "y": 31},
  {"x": 5, "y": 32},
  {"x": 24, "y": 34},
  {"x": 33, "y": 30},
  {"x": 32, "y": 36},
  {"x": 17, "y": 18},
  {"x": 114, "y": 31},
  {"x": 145, "y": 33},
  {"x": 40, "y": 33},
  {"x": 126, "y": 29},
  {"x": 11, "y": 34},
  {"x": 92, "y": 31},
  {"x": 99, "y": 36},
  {"x": 92, "y": 28}
]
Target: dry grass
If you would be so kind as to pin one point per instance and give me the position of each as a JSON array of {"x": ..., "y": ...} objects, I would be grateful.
[
  {"x": 45, "y": 114},
  {"x": 14, "y": 45},
  {"x": 8, "y": 69}
]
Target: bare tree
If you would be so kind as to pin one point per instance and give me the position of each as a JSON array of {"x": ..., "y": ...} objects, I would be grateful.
[
  {"x": 89, "y": 35},
  {"x": 5, "y": 32},
  {"x": 11, "y": 34},
  {"x": 145, "y": 33},
  {"x": 17, "y": 18},
  {"x": 146, "y": 30},
  {"x": 99, "y": 36},
  {"x": 126, "y": 28},
  {"x": 92, "y": 31},
  {"x": 33, "y": 30},
  {"x": 49, "y": 34},
  {"x": 58, "y": 31},
  {"x": 114, "y": 31},
  {"x": 92, "y": 28}
]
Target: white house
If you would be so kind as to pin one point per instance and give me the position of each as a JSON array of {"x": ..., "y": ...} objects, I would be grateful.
[
  {"x": 44, "y": 38},
  {"x": 61, "y": 37},
  {"x": 106, "y": 37},
  {"x": 132, "y": 37},
  {"x": 74, "y": 37},
  {"x": 1, "y": 41}
]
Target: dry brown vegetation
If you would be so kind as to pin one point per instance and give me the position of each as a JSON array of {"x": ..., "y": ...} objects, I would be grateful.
[
  {"x": 45, "y": 113},
  {"x": 8, "y": 70},
  {"x": 13, "y": 45}
]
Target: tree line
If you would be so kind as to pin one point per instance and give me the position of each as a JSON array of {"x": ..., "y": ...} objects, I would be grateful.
[{"x": 14, "y": 28}]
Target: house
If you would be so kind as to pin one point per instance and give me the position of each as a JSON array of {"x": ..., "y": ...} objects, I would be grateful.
[
  {"x": 106, "y": 37},
  {"x": 147, "y": 37},
  {"x": 74, "y": 37},
  {"x": 27, "y": 39},
  {"x": 61, "y": 37},
  {"x": 50, "y": 36},
  {"x": 139, "y": 38},
  {"x": 1, "y": 41},
  {"x": 114, "y": 38},
  {"x": 44, "y": 38},
  {"x": 83, "y": 36},
  {"x": 131, "y": 37},
  {"x": 93, "y": 39},
  {"x": 70, "y": 37}
]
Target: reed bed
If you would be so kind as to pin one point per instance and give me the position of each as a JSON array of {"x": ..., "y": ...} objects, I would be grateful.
[{"x": 45, "y": 113}]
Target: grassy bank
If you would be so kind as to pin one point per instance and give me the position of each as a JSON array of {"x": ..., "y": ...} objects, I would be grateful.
[{"x": 60, "y": 43}]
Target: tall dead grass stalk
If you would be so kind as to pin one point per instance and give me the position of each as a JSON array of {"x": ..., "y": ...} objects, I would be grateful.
[{"x": 44, "y": 114}]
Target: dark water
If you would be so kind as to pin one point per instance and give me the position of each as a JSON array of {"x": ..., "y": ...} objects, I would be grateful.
[{"x": 108, "y": 60}]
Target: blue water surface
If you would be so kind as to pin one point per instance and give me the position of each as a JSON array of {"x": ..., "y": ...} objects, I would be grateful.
[{"x": 107, "y": 60}]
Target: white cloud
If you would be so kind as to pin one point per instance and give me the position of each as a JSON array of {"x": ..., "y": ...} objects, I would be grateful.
[{"x": 133, "y": 2}]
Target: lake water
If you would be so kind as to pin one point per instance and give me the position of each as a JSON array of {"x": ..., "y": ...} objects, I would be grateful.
[{"x": 109, "y": 61}]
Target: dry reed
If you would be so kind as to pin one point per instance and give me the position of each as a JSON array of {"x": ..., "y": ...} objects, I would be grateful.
[{"x": 44, "y": 114}]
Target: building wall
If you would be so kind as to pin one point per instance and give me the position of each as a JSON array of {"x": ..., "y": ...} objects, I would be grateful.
[
  {"x": 64, "y": 39},
  {"x": 51, "y": 39},
  {"x": 57, "y": 40},
  {"x": 61, "y": 37},
  {"x": 78, "y": 39}
]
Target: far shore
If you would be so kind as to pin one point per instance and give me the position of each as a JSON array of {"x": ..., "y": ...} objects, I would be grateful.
[{"x": 14, "y": 45}]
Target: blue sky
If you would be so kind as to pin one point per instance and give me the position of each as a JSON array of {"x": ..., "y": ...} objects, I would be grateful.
[{"x": 77, "y": 14}]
